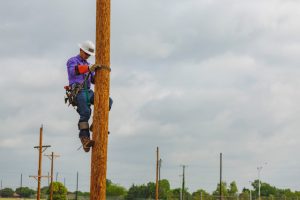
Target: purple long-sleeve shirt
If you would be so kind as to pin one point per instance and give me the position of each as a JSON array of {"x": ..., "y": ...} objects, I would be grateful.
[{"x": 73, "y": 77}]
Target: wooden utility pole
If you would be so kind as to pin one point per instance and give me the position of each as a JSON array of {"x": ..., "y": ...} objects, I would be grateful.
[
  {"x": 52, "y": 157},
  {"x": 41, "y": 150},
  {"x": 157, "y": 183},
  {"x": 101, "y": 101}
]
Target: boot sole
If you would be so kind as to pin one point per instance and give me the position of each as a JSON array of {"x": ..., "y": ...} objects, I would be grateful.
[{"x": 90, "y": 144}]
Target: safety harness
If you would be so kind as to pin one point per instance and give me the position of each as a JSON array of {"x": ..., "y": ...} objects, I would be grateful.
[{"x": 74, "y": 89}]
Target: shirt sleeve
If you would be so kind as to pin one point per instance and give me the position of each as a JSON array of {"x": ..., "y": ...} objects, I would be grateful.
[{"x": 71, "y": 64}]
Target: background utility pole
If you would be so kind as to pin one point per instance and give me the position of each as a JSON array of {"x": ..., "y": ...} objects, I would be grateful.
[
  {"x": 48, "y": 179},
  {"x": 101, "y": 101},
  {"x": 220, "y": 176},
  {"x": 157, "y": 183},
  {"x": 41, "y": 150},
  {"x": 183, "y": 182},
  {"x": 76, "y": 197},
  {"x": 250, "y": 193},
  {"x": 159, "y": 166},
  {"x": 52, "y": 157},
  {"x": 21, "y": 181}
]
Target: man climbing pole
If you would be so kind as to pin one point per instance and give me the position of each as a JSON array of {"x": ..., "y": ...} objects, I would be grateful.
[{"x": 79, "y": 93}]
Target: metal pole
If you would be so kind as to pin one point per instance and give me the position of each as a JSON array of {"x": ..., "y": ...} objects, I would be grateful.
[
  {"x": 159, "y": 166},
  {"x": 220, "y": 176},
  {"x": 250, "y": 192},
  {"x": 21, "y": 180},
  {"x": 76, "y": 197},
  {"x": 101, "y": 101},
  {"x": 180, "y": 197},
  {"x": 183, "y": 182},
  {"x": 156, "y": 186},
  {"x": 258, "y": 170}
]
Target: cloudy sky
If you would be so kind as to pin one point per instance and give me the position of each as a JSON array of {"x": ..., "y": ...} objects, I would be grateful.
[{"x": 194, "y": 77}]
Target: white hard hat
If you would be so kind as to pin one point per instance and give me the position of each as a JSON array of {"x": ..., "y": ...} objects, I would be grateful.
[{"x": 88, "y": 47}]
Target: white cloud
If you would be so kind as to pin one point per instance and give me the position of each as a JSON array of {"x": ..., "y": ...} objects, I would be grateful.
[
  {"x": 10, "y": 142},
  {"x": 194, "y": 77}
]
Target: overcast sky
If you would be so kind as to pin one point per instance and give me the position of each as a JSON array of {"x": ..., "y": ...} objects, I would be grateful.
[{"x": 194, "y": 77}]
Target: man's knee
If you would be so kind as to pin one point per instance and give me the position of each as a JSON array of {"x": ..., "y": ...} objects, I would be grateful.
[{"x": 83, "y": 125}]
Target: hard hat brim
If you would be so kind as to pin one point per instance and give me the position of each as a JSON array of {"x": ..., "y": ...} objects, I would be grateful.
[{"x": 86, "y": 51}]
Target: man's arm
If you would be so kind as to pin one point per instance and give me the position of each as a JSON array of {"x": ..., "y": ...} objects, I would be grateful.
[
  {"x": 82, "y": 69},
  {"x": 71, "y": 64}
]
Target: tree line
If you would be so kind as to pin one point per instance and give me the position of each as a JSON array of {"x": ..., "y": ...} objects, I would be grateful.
[
  {"x": 148, "y": 191},
  {"x": 59, "y": 192},
  {"x": 229, "y": 192}
]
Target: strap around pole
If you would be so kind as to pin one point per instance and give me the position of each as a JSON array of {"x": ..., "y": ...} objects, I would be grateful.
[{"x": 102, "y": 67}]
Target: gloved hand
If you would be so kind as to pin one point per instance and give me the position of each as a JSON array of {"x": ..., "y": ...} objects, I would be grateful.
[{"x": 93, "y": 67}]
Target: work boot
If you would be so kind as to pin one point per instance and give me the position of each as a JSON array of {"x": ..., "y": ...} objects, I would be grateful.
[{"x": 87, "y": 143}]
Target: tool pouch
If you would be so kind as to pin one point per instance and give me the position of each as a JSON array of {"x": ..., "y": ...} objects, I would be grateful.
[{"x": 71, "y": 93}]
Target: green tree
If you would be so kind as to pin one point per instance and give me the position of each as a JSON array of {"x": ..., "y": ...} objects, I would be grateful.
[
  {"x": 245, "y": 195},
  {"x": 164, "y": 188},
  {"x": 44, "y": 192},
  {"x": 136, "y": 192},
  {"x": 223, "y": 189},
  {"x": 131, "y": 193},
  {"x": 151, "y": 190},
  {"x": 266, "y": 189},
  {"x": 201, "y": 193},
  {"x": 174, "y": 194},
  {"x": 59, "y": 191},
  {"x": 25, "y": 192},
  {"x": 115, "y": 190},
  {"x": 233, "y": 190},
  {"x": 7, "y": 192}
]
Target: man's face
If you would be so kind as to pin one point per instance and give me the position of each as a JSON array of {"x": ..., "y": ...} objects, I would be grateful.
[{"x": 84, "y": 55}]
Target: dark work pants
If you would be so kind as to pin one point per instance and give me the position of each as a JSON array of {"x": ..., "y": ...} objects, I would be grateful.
[{"x": 84, "y": 100}]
